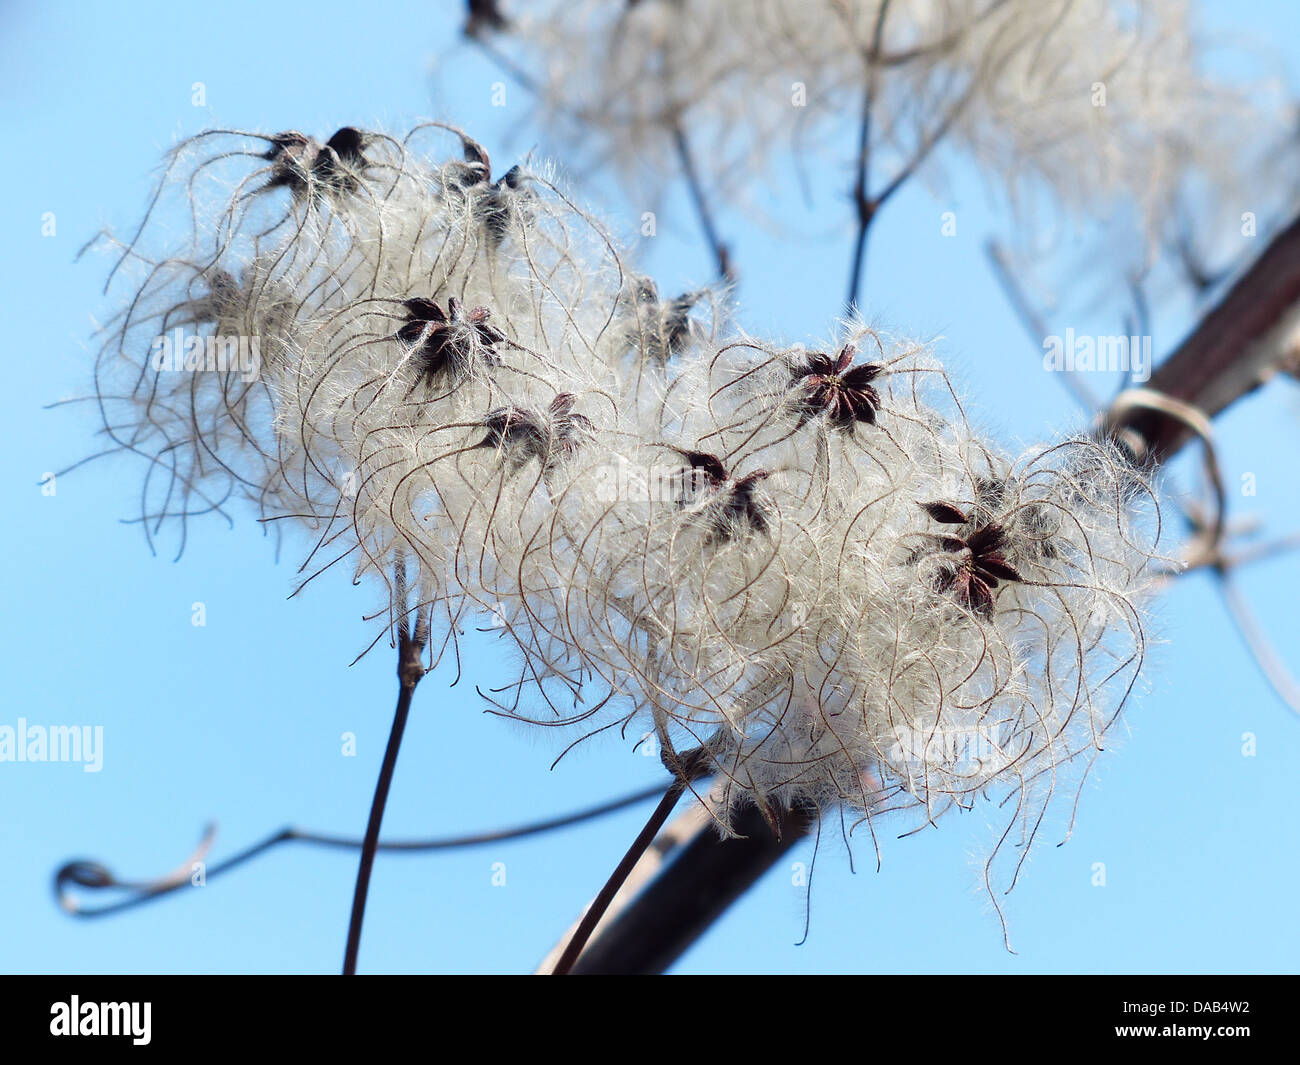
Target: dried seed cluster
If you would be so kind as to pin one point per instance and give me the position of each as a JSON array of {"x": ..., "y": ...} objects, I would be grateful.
[{"x": 804, "y": 561}]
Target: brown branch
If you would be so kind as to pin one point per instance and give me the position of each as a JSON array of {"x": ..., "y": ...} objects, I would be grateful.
[
  {"x": 680, "y": 831},
  {"x": 685, "y": 769},
  {"x": 644, "y": 839},
  {"x": 693, "y": 891},
  {"x": 1231, "y": 352}
]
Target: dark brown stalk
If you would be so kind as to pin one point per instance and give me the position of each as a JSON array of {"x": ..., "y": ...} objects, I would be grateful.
[
  {"x": 675, "y": 910},
  {"x": 410, "y": 668},
  {"x": 685, "y": 769}
]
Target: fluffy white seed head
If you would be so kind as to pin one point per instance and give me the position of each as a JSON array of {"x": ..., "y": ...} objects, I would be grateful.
[{"x": 802, "y": 560}]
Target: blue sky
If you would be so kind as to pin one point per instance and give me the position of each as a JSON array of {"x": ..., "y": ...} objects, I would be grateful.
[{"x": 240, "y": 721}]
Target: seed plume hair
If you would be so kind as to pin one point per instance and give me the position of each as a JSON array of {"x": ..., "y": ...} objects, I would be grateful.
[{"x": 801, "y": 560}]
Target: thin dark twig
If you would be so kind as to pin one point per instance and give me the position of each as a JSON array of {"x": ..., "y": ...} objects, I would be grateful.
[
  {"x": 526, "y": 80},
  {"x": 606, "y": 895},
  {"x": 695, "y": 187},
  {"x": 1257, "y": 642},
  {"x": 862, "y": 199},
  {"x": 410, "y": 668},
  {"x": 1034, "y": 325},
  {"x": 687, "y": 767},
  {"x": 866, "y": 208},
  {"x": 371, "y": 841},
  {"x": 1207, "y": 551},
  {"x": 1259, "y": 552},
  {"x": 869, "y": 204},
  {"x": 675, "y": 908},
  {"x": 92, "y": 875}
]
